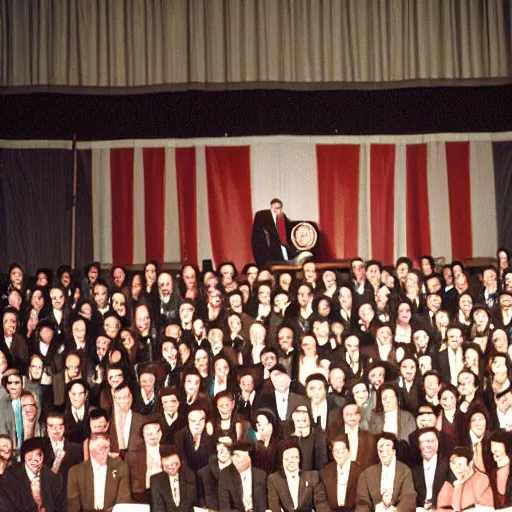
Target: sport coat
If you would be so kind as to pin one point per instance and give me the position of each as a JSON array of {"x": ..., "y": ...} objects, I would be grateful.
[
  {"x": 16, "y": 492},
  {"x": 7, "y": 423},
  {"x": 81, "y": 485},
  {"x": 230, "y": 490},
  {"x": 329, "y": 477},
  {"x": 268, "y": 401},
  {"x": 311, "y": 493},
  {"x": 406, "y": 424},
  {"x": 161, "y": 492},
  {"x": 18, "y": 355},
  {"x": 418, "y": 476},
  {"x": 368, "y": 489},
  {"x": 135, "y": 441},
  {"x": 208, "y": 484}
]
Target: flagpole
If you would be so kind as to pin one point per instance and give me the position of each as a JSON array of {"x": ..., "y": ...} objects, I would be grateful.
[{"x": 73, "y": 206}]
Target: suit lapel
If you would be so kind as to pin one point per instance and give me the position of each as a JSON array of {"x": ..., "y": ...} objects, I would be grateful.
[
  {"x": 303, "y": 489},
  {"x": 45, "y": 491},
  {"x": 286, "y": 494},
  {"x": 110, "y": 485},
  {"x": 397, "y": 482},
  {"x": 89, "y": 484}
]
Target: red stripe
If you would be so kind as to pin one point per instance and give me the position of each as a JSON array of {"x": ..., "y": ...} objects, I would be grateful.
[
  {"x": 154, "y": 202},
  {"x": 457, "y": 163},
  {"x": 382, "y": 196},
  {"x": 121, "y": 188},
  {"x": 229, "y": 203},
  {"x": 186, "y": 178},
  {"x": 418, "y": 223},
  {"x": 338, "y": 199}
]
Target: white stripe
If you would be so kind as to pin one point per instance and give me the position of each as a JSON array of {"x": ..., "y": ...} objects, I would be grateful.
[
  {"x": 101, "y": 205},
  {"x": 400, "y": 207},
  {"x": 244, "y": 141},
  {"x": 483, "y": 199},
  {"x": 139, "y": 219},
  {"x": 286, "y": 170},
  {"x": 364, "y": 226},
  {"x": 438, "y": 201},
  {"x": 172, "y": 251},
  {"x": 204, "y": 244}
]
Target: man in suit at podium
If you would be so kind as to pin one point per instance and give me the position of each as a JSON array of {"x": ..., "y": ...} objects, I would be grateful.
[{"x": 271, "y": 235}]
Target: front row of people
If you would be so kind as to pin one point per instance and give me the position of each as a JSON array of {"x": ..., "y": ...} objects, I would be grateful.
[{"x": 232, "y": 482}]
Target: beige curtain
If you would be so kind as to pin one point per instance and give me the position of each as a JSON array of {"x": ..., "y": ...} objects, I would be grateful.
[{"x": 111, "y": 45}]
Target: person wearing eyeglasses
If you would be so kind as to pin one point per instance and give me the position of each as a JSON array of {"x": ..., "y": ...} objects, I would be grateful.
[{"x": 11, "y": 417}]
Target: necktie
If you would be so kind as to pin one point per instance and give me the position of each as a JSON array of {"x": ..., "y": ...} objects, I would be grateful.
[
  {"x": 59, "y": 455},
  {"x": 18, "y": 419},
  {"x": 281, "y": 228},
  {"x": 120, "y": 434},
  {"x": 35, "y": 487},
  {"x": 176, "y": 491}
]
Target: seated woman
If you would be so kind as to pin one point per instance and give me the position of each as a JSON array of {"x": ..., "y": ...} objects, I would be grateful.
[
  {"x": 225, "y": 421},
  {"x": 470, "y": 488},
  {"x": 309, "y": 361},
  {"x": 222, "y": 378},
  {"x": 501, "y": 476},
  {"x": 266, "y": 438}
]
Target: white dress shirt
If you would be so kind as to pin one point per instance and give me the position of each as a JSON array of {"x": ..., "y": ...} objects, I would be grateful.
[
  {"x": 246, "y": 477},
  {"x": 57, "y": 313},
  {"x": 293, "y": 486},
  {"x": 387, "y": 477},
  {"x": 456, "y": 364},
  {"x": 100, "y": 482},
  {"x": 353, "y": 439},
  {"x": 78, "y": 414},
  {"x": 505, "y": 419},
  {"x": 321, "y": 411},
  {"x": 391, "y": 422},
  {"x": 282, "y": 404},
  {"x": 342, "y": 474},
  {"x": 8, "y": 342},
  {"x": 429, "y": 470},
  {"x": 175, "y": 488}
]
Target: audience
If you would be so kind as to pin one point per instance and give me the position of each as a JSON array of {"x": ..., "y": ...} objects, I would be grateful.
[{"x": 385, "y": 389}]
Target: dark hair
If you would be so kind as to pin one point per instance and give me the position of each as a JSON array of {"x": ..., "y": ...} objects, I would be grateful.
[
  {"x": 428, "y": 430},
  {"x": 97, "y": 413},
  {"x": 340, "y": 438},
  {"x": 389, "y": 437},
  {"x": 319, "y": 377},
  {"x": 287, "y": 444}
]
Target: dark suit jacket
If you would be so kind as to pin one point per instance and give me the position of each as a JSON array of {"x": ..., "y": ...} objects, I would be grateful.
[
  {"x": 418, "y": 476},
  {"x": 311, "y": 493},
  {"x": 368, "y": 489},
  {"x": 230, "y": 490},
  {"x": 16, "y": 492},
  {"x": 74, "y": 454},
  {"x": 18, "y": 356},
  {"x": 208, "y": 484},
  {"x": 266, "y": 244},
  {"x": 329, "y": 477},
  {"x": 76, "y": 431},
  {"x": 161, "y": 493},
  {"x": 195, "y": 459},
  {"x": 81, "y": 485},
  {"x": 135, "y": 441},
  {"x": 268, "y": 401}
]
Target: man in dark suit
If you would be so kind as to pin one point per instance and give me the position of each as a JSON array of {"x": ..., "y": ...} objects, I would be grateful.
[
  {"x": 208, "y": 477},
  {"x": 241, "y": 485},
  {"x": 430, "y": 474},
  {"x": 31, "y": 486},
  {"x": 388, "y": 483},
  {"x": 340, "y": 477},
  {"x": 125, "y": 425},
  {"x": 281, "y": 401},
  {"x": 59, "y": 454},
  {"x": 291, "y": 489},
  {"x": 100, "y": 482},
  {"x": 173, "y": 489},
  {"x": 362, "y": 444},
  {"x": 271, "y": 235},
  {"x": 449, "y": 362}
]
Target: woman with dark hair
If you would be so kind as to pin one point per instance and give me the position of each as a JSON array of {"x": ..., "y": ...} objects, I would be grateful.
[
  {"x": 137, "y": 289},
  {"x": 92, "y": 273},
  {"x": 150, "y": 275},
  {"x": 225, "y": 421},
  {"x": 465, "y": 306},
  {"x": 170, "y": 414},
  {"x": 202, "y": 365},
  {"x": 37, "y": 309},
  {"x": 428, "y": 265},
  {"x": 403, "y": 328},
  {"x": 322, "y": 307},
  {"x": 130, "y": 341},
  {"x": 49, "y": 346},
  {"x": 120, "y": 303},
  {"x": 329, "y": 284},
  {"x": 500, "y": 475},
  {"x": 448, "y": 397},
  {"x": 172, "y": 366},
  {"x": 474, "y": 360},
  {"x": 266, "y": 441},
  {"x": 309, "y": 361}
]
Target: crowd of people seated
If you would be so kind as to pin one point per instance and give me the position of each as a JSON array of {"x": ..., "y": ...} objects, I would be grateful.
[{"x": 387, "y": 388}]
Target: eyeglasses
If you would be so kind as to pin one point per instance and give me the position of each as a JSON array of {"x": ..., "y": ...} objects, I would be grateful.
[
  {"x": 28, "y": 405},
  {"x": 14, "y": 382}
]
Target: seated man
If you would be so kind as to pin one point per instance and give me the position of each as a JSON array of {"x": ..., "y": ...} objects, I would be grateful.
[
  {"x": 110, "y": 483},
  {"x": 241, "y": 485},
  {"x": 340, "y": 477},
  {"x": 174, "y": 488},
  {"x": 387, "y": 485},
  {"x": 291, "y": 489}
]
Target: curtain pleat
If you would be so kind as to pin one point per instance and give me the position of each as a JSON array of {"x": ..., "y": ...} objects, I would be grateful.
[{"x": 180, "y": 44}]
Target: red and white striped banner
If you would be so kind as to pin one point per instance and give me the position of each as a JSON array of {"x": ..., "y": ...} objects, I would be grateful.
[{"x": 375, "y": 197}]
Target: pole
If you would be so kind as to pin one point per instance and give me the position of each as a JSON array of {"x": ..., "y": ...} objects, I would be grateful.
[{"x": 73, "y": 206}]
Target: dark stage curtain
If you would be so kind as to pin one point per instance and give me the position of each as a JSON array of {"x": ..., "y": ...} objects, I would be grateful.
[
  {"x": 503, "y": 184},
  {"x": 36, "y": 187}
]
